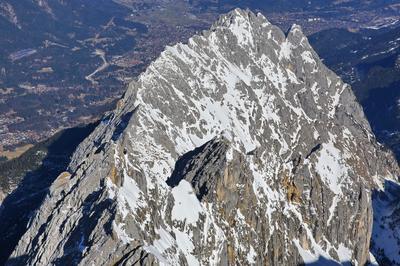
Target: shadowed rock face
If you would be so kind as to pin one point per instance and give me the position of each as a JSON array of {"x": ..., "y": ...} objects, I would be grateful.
[{"x": 239, "y": 147}]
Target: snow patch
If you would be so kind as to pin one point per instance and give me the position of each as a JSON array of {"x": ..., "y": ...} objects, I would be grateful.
[
  {"x": 186, "y": 207},
  {"x": 129, "y": 193},
  {"x": 286, "y": 50},
  {"x": 185, "y": 244},
  {"x": 335, "y": 100},
  {"x": 160, "y": 245},
  {"x": 306, "y": 255},
  {"x": 331, "y": 167},
  {"x": 344, "y": 253},
  {"x": 241, "y": 28},
  {"x": 251, "y": 255},
  {"x": 122, "y": 235},
  {"x": 308, "y": 57},
  {"x": 332, "y": 209}
]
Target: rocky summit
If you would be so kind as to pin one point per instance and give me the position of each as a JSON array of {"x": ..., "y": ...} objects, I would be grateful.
[{"x": 238, "y": 148}]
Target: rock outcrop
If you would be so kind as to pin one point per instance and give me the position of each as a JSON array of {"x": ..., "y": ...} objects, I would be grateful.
[{"x": 239, "y": 147}]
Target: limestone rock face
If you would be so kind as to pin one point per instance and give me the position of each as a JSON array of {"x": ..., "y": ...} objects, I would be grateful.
[{"x": 239, "y": 147}]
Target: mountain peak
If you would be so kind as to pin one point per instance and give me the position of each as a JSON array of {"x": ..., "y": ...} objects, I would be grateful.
[
  {"x": 239, "y": 147},
  {"x": 242, "y": 22},
  {"x": 237, "y": 13}
]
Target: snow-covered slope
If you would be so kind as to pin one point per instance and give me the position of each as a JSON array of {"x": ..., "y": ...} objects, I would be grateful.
[{"x": 239, "y": 147}]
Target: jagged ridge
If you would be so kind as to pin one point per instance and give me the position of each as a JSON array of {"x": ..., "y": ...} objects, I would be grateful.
[{"x": 287, "y": 156}]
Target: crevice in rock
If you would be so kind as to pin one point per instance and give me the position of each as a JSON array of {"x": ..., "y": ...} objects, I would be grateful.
[
  {"x": 100, "y": 148},
  {"x": 183, "y": 165},
  {"x": 125, "y": 258},
  {"x": 252, "y": 152},
  {"x": 314, "y": 149}
]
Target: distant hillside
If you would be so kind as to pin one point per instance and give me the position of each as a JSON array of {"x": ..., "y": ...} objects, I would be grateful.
[
  {"x": 62, "y": 63},
  {"x": 298, "y": 5}
]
